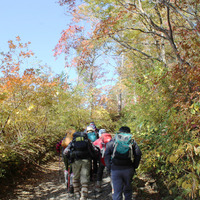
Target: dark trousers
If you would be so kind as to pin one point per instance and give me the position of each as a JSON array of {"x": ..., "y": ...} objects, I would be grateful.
[
  {"x": 93, "y": 170},
  {"x": 100, "y": 171},
  {"x": 121, "y": 180}
]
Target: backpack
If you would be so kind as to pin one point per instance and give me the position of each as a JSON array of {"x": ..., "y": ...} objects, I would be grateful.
[
  {"x": 102, "y": 141},
  {"x": 81, "y": 147},
  {"x": 92, "y": 136},
  {"x": 106, "y": 137},
  {"x": 101, "y": 144},
  {"x": 68, "y": 138},
  {"x": 123, "y": 146},
  {"x": 80, "y": 141}
]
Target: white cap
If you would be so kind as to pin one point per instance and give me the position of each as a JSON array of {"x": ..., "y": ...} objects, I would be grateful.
[
  {"x": 101, "y": 131},
  {"x": 89, "y": 128}
]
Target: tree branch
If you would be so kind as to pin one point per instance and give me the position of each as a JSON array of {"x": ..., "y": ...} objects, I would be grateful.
[{"x": 134, "y": 49}]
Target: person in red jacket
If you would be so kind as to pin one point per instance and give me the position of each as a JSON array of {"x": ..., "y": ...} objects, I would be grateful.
[{"x": 101, "y": 144}]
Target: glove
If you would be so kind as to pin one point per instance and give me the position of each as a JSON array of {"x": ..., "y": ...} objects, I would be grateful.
[{"x": 67, "y": 152}]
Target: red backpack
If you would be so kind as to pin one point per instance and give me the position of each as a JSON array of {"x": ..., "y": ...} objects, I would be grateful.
[
  {"x": 106, "y": 137},
  {"x": 101, "y": 144}
]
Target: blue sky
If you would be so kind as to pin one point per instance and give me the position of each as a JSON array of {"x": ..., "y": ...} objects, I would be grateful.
[{"x": 39, "y": 22}]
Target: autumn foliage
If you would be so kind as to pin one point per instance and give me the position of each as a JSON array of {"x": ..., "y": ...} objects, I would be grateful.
[
  {"x": 157, "y": 46},
  {"x": 154, "y": 48}
]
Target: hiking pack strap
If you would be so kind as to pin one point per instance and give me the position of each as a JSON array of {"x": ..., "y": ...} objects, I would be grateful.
[
  {"x": 103, "y": 152},
  {"x": 132, "y": 149},
  {"x": 131, "y": 152},
  {"x": 114, "y": 150}
]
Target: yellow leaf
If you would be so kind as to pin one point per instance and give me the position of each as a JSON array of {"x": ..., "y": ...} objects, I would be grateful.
[
  {"x": 173, "y": 158},
  {"x": 186, "y": 185},
  {"x": 31, "y": 107},
  {"x": 179, "y": 152},
  {"x": 197, "y": 150},
  {"x": 174, "y": 145},
  {"x": 189, "y": 147},
  {"x": 196, "y": 141},
  {"x": 198, "y": 169}
]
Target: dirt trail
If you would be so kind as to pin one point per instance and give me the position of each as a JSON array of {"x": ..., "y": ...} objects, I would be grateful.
[{"x": 48, "y": 184}]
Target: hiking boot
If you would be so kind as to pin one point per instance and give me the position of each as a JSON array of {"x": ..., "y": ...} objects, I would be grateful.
[
  {"x": 98, "y": 189},
  {"x": 71, "y": 189},
  {"x": 77, "y": 196},
  {"x": 83, "y": 198}
]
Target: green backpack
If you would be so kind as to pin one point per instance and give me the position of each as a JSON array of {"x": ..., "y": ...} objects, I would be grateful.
[{"x": 123, "y": 145}]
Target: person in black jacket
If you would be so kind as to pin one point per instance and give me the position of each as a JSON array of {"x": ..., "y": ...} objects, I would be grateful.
[
  {"x": 122, "y": 168},
  {"x": 80, "y": 152}
]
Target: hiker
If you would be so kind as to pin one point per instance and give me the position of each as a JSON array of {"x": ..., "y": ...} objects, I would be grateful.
[
  {"x": 60, "y": 146},
  {"x": 92, "y": 124},
  {"x": 121, "y": 162},
  {"x": 101, "y": 131},
  {"x": 101, "y": 144},
  {"x": 80, "y": 152},
  {"x": 92, "y": 136}
]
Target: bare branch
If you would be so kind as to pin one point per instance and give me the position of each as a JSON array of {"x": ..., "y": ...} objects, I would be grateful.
[
  {"x": 180, "y": 12},
  {"x": 134, "y": 49}
]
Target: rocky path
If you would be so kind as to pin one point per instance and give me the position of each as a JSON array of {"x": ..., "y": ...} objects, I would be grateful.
[{"x": 47, "y": 183}]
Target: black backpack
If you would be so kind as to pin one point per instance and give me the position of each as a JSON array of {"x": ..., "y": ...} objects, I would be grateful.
[
  {"x": 80, "y": 141},
  {"x": 81, "y": 147}
]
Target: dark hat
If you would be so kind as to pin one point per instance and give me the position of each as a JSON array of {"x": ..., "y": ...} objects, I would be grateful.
[{"x": 124, "y": 129}]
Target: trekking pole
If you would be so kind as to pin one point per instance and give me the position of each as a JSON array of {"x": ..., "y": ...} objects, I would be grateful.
[
  {"x": 95, "y": 192},
  {"x": 59, "y": 171},
  {"x": 68, "y": 178}
]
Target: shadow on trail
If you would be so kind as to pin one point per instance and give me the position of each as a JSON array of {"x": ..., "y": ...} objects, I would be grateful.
[
  {"x": 42, "y": 182},
  {"x": 47, "y": 183},
  {"x": 51, "y": 194},
  {"x": 148, "y": 188},
  {"x": 106, "y": 190}
]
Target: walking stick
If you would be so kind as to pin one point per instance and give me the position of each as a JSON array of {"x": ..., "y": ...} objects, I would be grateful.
[
  {"x": 68, "y": 178},
  {"x": 59, "y": 171}
]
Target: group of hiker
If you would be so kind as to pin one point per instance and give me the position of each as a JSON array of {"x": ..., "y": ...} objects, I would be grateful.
[{"x": 90, "y": 153}]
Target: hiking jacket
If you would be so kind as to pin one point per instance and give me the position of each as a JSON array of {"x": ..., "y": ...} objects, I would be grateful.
[{"x": 121, "y": 163}]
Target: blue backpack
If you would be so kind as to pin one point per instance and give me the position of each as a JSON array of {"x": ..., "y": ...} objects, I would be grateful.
[
  {"x": 92, "y": 136},
  {"x": 123, "y": 144}
]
